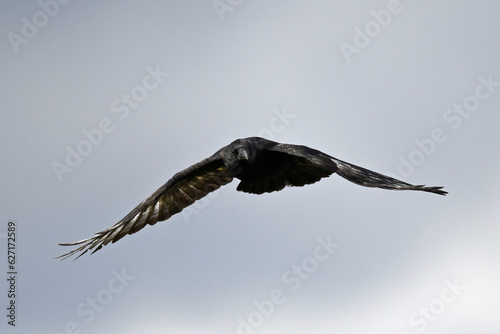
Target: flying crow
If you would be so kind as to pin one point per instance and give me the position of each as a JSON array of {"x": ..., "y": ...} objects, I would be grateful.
[{"x": 261, "y": 166}]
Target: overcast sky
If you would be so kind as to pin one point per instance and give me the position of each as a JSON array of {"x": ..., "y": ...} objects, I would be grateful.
[{"x": 103, "y": 102}]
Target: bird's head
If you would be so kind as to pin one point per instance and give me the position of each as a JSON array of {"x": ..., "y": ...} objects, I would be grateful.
[
  {"x": 238, "y": 157},
  {"x": 244, "y": 154}
]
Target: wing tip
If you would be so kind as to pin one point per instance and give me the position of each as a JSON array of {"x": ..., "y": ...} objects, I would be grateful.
[
  {"x": 88, "y": 244},
  {"x": 436, "y": 190}
]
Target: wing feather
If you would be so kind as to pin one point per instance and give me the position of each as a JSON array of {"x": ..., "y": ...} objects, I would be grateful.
[
  {"x": 182, "y": 190},
  {"x": 359, "y": 175}
]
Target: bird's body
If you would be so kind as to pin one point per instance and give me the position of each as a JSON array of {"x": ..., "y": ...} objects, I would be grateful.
[{"x": 261, "y": 166}]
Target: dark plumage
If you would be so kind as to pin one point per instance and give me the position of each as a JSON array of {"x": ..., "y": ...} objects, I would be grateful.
[{"x": 261, "y": 165}]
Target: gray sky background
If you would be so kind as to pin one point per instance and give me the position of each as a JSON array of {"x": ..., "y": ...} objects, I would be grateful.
[{"x": 407, "y": 262}]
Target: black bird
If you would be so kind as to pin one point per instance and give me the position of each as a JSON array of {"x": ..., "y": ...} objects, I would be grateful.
[{"x": 261, "y": 165}]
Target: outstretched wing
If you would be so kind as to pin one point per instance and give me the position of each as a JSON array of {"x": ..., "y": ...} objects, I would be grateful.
[
  {"x": 182, "y": 190},
  {"x": 313, "y": 163},
  {"x": 368, "y": 178}
]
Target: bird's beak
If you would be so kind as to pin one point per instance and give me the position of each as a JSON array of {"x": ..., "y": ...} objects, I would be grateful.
[{"x": 243, "y": 154}]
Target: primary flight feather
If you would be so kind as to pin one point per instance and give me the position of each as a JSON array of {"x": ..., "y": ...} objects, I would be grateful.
[{"x": 261, "y": 166}]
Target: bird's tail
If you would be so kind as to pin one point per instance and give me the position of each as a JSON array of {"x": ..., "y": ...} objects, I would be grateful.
[{"x": 368, "y": 178}]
